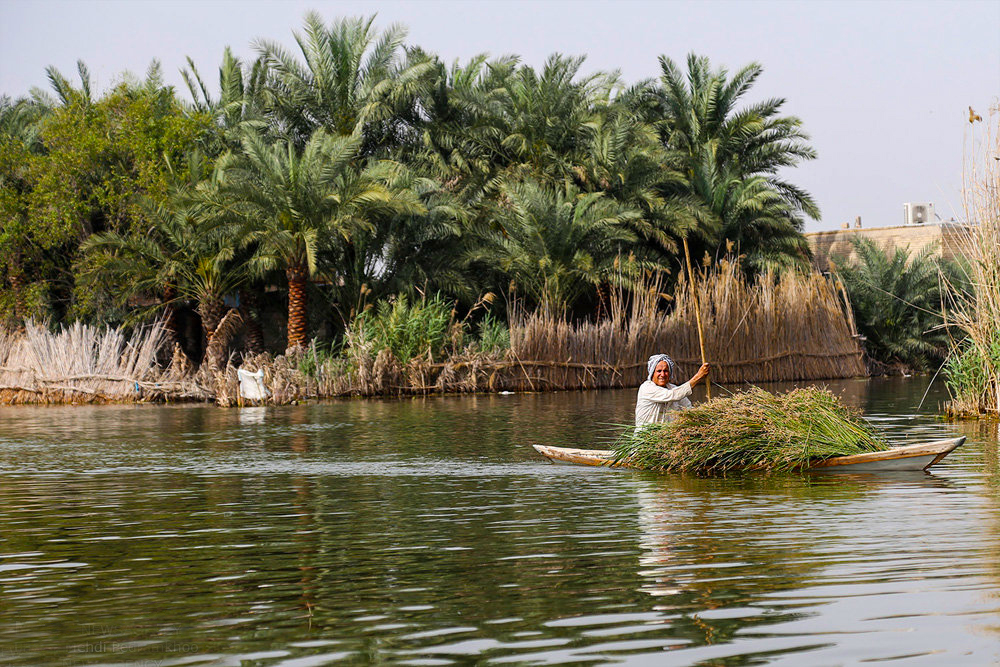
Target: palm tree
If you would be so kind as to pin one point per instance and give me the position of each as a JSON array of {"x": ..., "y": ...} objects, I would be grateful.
[
  {"x": 723, "y": 146},
  {"x": 464, "y": 111},
  {"x": 490, "y": 120},
  {"x": 896, "y": 299},
  {"x": 418, "y": 249},
  {"x": 182, "y": 255},
  {"x": 558, "y": 242},
  {"x": 749, "y": 218},
  {"x": 239, "y": 104},
  {"x": 353, "y": 78},
  {"x": 295, "y": 204},
  {"x": 66, "y": 93},
  {"x": 623, "y": 158},
  {"x": 548, "y": 121},
  {"x": 239, "y": 108}
]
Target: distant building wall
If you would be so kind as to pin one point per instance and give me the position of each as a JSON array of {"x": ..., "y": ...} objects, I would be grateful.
[{"x": 837, "y": 243}]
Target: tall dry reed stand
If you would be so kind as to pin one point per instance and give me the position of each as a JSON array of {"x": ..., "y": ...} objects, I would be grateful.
[
  {"x": 974, "y": 367},
  {"x": 697, "y": 312},
  {"x": 797, "y": 327},
  {"x": 86, "y": 364}
]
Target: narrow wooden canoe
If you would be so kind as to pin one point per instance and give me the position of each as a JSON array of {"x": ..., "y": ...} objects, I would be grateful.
[{"x": 911, "y": 457}]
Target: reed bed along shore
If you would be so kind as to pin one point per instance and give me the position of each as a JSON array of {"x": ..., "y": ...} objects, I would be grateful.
[
  {"x": 973, "y": 367},
  {"x": 795, "y": 328}
]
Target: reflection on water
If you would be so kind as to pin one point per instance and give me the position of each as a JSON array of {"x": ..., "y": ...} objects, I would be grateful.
[{"x": 427, "y": 532}]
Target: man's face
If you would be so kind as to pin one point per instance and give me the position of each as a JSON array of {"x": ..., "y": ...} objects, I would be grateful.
[{"x": 661, "y": 374}]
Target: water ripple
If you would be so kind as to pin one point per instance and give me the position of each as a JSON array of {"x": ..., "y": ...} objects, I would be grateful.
[{"x": 427, "y": 532}]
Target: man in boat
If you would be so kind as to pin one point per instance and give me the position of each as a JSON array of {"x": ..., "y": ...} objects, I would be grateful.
[{"x": 657, "y": 396}]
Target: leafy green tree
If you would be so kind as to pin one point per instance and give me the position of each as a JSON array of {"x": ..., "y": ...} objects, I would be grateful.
[
  {"x": 20, "y": 149},
  {"x": 293, "y": 204},
  {"x": 896, "y": 299},
  {"x": 103, "y": 159},
  {"x": 106, "y": 156}
]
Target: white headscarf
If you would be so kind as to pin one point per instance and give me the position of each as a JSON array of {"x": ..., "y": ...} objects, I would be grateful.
[{"x": 656, "y": 359}]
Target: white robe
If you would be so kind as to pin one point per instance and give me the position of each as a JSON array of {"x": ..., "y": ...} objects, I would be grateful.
[{"x": 654, "y": 403}]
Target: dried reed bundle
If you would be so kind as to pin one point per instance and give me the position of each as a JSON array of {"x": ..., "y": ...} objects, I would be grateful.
[
  {"x": 974, "y": 368},
  {"x": 752, "y": 430},
  {"x": 84, "y": 363},
  {"x": 796, "y": 327}
]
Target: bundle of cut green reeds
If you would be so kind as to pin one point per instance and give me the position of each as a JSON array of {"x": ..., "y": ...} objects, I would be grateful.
[{"x": 752, "y": 430}]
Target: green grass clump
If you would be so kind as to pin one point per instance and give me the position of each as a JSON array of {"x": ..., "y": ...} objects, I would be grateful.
[
  {"x": 752, "y": 430},
  {"x": 315, "y": 357},
  {"x": 494, "y": 336},
  {"x": 410, "y": 329}
]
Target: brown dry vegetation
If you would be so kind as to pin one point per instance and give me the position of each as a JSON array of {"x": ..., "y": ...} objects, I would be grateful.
[
  {"x": 974, "y": 369},
  {"x": 86, "y": 364},
  {"x": 795, "y": 328},
  {"x": 798, "y": 328}
]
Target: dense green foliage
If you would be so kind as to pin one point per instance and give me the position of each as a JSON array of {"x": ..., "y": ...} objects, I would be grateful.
[
  {"x": 494, "y": 335},
  {"x": 357, "y": 168},
  {"x": 897, "y": 303},
  {"x": 86, "y": 166},
  {"x": 752, "y": 430}
]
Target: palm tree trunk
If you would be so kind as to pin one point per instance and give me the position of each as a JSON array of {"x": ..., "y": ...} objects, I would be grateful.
[
  {"x": 15, "y": 273},
  {"x": 211, "y": 312},
  {"x": 218, "y": 342},
  {"x": 170, "y": 316},
  {"x": 296, "y": 306},
  {"x": 254, "y": 332}
]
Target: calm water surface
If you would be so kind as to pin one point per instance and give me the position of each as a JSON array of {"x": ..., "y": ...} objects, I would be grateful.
[{"x": 427, "y": 532}]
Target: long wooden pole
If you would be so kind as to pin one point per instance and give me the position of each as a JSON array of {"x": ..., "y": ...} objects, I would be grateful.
[{"x": 697, "y": 315}]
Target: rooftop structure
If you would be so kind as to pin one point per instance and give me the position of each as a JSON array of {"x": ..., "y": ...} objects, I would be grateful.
[
  {"x": 917, "y": 232},
  {"x": 943, "y": 236}
]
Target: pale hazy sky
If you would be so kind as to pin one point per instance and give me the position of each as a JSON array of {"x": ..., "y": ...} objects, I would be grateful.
[{"x": 882, "y": 87}]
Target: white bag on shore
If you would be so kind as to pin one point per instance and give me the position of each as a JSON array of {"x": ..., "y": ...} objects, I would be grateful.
[{"x": 252, "y": 385}]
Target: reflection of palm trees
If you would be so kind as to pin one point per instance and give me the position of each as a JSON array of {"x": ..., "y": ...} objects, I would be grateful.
[{"x": 306, "y": 521}]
